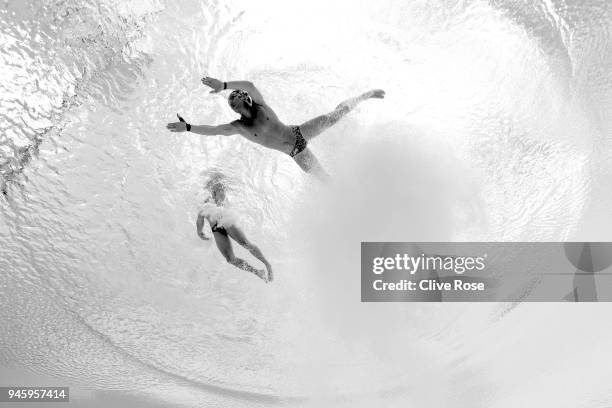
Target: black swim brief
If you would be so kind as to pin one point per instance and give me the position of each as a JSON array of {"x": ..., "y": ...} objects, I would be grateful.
[
  {"x": 300, "y": 142},
  {"x": 217, "y": 228}
]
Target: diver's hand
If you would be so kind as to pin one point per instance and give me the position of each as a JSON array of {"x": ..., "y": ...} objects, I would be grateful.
[
  {"x": 180, "y": 126},
  {"x": 216, "y": 85},
  {"x": 201, "y": 235}
]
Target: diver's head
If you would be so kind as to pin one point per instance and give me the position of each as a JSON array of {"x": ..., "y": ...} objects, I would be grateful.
[
  {"x": 217, "y": 191},
  {"x": 215, "y": 185},
  {"x": 241, "y": 102}
]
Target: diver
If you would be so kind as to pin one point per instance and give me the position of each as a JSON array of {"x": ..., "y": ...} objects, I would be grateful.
[
  {"x": 224, "y": 226},
  {"x": 259, "y": 124}
]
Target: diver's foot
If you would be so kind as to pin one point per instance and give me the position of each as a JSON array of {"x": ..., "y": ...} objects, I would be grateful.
[
  {"x": 270, "y": 273},
  {"x": 377, "y": 93},
  {"x": 262, "y": 274}
]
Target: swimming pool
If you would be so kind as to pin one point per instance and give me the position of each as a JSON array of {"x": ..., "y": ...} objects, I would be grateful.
[{"x": 496, "y": 126}]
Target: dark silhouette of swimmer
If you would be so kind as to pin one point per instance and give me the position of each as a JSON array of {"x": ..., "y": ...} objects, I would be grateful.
[
  {"x": 259, "y": 124},
  {"x": 223, "y": 225}
]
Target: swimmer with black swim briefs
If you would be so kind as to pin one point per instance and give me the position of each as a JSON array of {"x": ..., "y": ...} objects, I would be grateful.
[
  {"x": 259, "y": 123},
  {"x": 223, "y": 224}
]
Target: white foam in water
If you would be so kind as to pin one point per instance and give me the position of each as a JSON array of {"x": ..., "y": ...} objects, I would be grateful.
[{"x": 495, "y": 127}]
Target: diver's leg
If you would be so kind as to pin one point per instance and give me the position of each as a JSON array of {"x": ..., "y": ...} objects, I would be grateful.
[
  {"x": 225, "y": 247},
  {"x": 237, "y": 235},
  {"x": 309, "y": 163},
  {"x": 315, "y": 126}
]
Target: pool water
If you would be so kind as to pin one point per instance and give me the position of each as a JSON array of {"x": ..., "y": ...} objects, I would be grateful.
[{"x": 496, "y": 126}]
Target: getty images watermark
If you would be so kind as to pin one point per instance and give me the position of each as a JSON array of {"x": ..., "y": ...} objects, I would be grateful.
[{"x": 486, "y": 272}]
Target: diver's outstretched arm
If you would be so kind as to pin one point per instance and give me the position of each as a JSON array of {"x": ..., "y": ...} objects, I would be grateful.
[
  {"x": 218, "y": 130},
  {"x": 207, "y": 130},
  {"x": 247, "y": 86}
]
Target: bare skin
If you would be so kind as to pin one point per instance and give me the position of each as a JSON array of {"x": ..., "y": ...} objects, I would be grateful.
[
  {"x": 224, "y": 244},
  {"x": 265, "y": 128}
]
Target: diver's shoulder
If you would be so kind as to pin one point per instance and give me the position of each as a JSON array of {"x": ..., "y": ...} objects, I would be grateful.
[{"x": 239, "y": 126}]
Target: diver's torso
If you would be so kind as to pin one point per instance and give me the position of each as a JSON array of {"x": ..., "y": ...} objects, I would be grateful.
[
  {"x": 267, "y": 130},
  {"x": 217, "y": 214}
]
